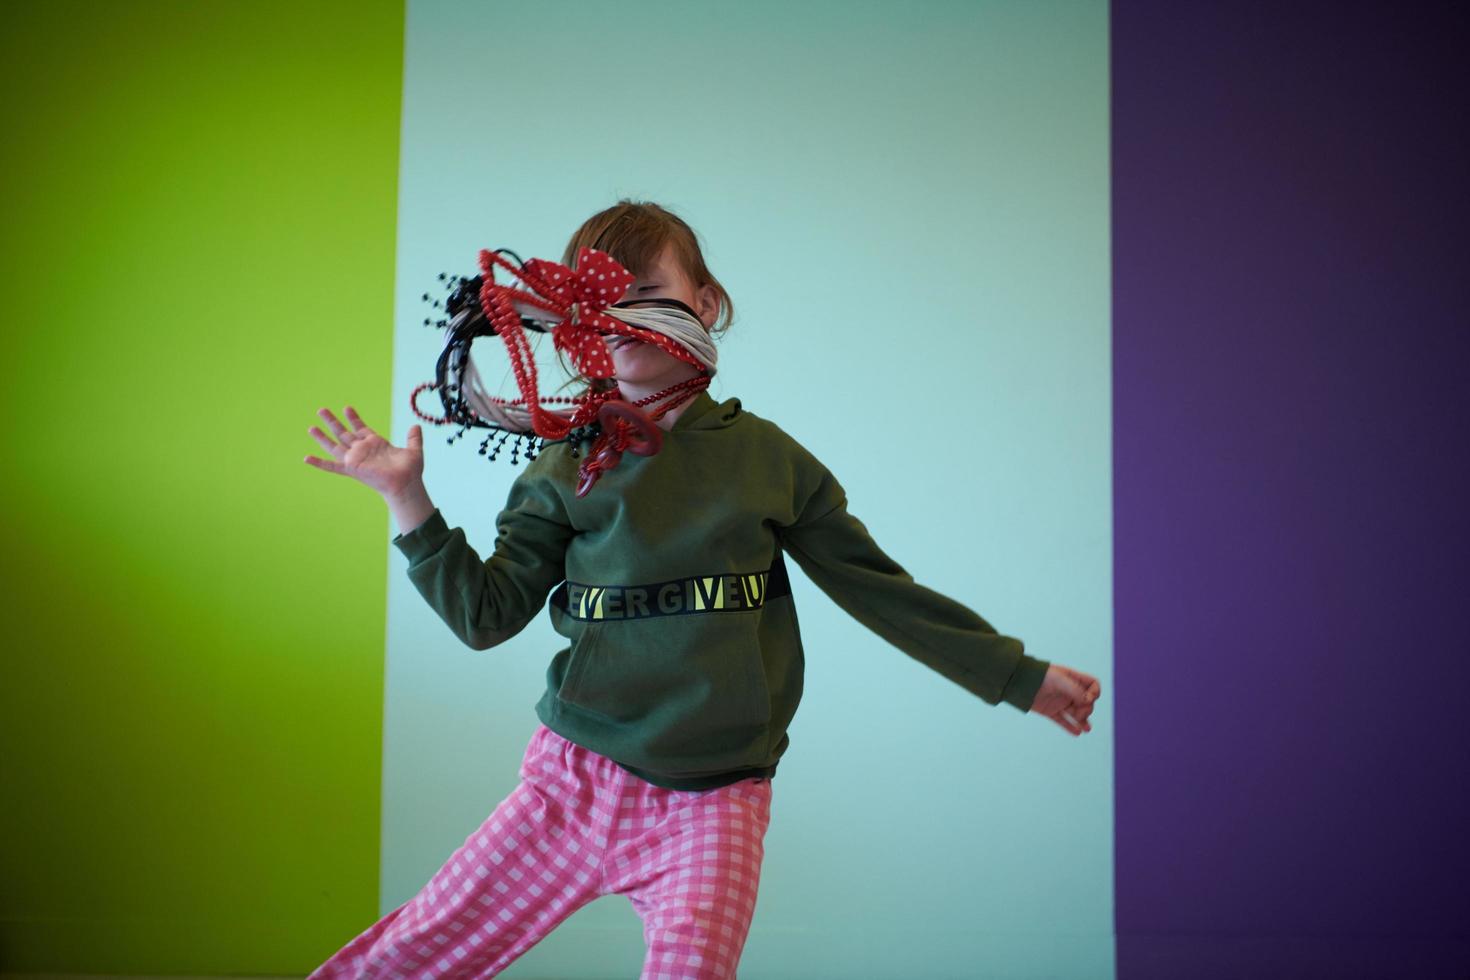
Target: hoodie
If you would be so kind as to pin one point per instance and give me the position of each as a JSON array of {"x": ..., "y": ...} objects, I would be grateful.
[{"x": 684, "y": 659}]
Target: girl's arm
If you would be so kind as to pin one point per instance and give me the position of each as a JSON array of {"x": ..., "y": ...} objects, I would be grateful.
[
  {"x": 483, "y": 602},
  {"x": 836, "y": 552},
  {"x": 486, "y": 602},
  {"x": 410, "y": 506}
]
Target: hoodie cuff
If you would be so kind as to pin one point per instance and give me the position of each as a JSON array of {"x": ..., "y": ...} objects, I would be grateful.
[
  {"x": 425, "y": 540},
  {"x": 1020, "y": 690}
]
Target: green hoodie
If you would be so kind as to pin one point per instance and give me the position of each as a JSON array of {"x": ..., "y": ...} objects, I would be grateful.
[{"x": 685, "y": 658}]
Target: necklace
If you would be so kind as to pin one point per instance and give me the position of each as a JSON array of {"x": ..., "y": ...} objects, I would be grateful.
[
  {"x": 631, "y": 430},
  {"x": 692, "y": 385}
]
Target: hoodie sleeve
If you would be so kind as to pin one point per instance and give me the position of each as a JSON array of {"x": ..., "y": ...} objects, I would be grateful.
[
  {"x": 836, "y": 552},
  {"x": 487, "y": 602}
]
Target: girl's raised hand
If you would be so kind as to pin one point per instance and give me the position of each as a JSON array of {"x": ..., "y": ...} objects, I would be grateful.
[
  {"x": 1066, "y": 697},
  {"x": 367, "y": 457}
]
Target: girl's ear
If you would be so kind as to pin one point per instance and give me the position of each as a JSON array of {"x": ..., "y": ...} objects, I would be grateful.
[{"x": 708, "y": 305}]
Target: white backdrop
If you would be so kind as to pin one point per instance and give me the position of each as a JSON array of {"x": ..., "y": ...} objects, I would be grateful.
[{"x": 918, "y": 192}]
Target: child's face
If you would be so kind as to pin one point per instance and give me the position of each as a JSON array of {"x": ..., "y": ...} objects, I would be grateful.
[{"x": 637, "y": 362}]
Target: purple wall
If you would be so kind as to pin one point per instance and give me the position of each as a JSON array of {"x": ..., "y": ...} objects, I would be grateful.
[{"x": 1290, "y": 204}]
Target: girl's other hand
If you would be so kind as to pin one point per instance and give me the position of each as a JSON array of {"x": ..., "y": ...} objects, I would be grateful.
[
  {"x": 367, "y": 457},
  {"x": 1066, "y": 697}
]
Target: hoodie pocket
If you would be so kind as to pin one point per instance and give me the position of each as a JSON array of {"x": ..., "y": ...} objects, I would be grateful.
[
  {"x": 694, "y": 676},
  {"x": 582, "y": 651}
]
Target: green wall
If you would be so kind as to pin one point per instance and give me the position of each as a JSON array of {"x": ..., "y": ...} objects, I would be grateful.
[{"x": 198, "y": 253}]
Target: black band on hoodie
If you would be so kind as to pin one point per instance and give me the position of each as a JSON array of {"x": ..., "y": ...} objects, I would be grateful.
[{"x": 720, "y": 592}]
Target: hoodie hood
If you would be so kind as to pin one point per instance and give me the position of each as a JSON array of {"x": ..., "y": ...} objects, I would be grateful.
[{"x": 706, "y": 413}]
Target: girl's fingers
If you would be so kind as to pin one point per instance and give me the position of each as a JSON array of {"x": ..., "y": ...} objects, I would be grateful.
[
  {"x": 324, "y": 464},
  {"x": 1084, "y": 680},
  {"x": 1061, "y": 719},
  {"x": 338, "y": 429},
  {"x": 357, "y": 423},
  {"x": 1073, "y": 718},
  {"x": 1091, "y": 689},
  {"x": 324, "y": 440}
]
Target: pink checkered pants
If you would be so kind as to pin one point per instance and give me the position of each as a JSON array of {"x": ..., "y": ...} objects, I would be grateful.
[{"x": 578, "y": 827}]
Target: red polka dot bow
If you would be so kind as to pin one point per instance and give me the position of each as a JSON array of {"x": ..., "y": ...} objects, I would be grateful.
[{"x": 579, "y": 297}]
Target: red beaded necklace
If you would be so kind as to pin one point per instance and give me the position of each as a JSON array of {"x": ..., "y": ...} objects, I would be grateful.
[
  {"x": 689, "y": 387},
  {"x": 692, "y": 384}
]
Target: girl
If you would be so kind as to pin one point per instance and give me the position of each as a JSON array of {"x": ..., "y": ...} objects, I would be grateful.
[{"x": 664, "y": 718}]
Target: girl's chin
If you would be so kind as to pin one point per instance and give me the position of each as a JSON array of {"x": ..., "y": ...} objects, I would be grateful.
[
  {"x": 632, "y": 377},
  {"x": 642, "y": 362}
]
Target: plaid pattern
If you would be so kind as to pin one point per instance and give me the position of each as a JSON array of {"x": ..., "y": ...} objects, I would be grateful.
[{"x": 578, "y": 827}]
